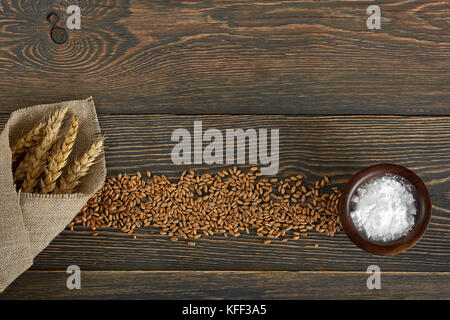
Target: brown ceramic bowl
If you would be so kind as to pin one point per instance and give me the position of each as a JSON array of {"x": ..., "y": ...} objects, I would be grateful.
[{"x": 421, "y": 197}]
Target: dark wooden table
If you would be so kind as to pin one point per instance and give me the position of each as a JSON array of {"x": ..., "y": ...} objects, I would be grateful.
[{"x": 344, "y": 97}]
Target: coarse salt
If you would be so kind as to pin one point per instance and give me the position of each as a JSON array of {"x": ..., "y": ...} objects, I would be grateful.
[{"x": 383, "y": 209}]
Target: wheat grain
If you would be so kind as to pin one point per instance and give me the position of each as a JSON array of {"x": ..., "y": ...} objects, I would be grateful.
[
  {"x": 33, "y": 164},
  {"x": 55, "y": 149},
  {"x": 228, "y": 205},
  {"x": 80, "y": 168},
  {"x": 58, "y": 159},
  {"x": 27, "y": 142}
]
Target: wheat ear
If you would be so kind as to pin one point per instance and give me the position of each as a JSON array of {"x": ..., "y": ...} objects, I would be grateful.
[
  {"x": 33, "y": 137},
  {"x": 80, "y": 168},
  {"x": 58, "y": 159},
  {"x": 34, "y": 163},
  {"x": 53, "y": 122},
  {"x": 55, "y": 149}
]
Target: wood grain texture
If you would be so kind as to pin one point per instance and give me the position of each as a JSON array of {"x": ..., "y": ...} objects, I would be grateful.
[
  {"x": 190, "y": 57},
  {"x": 229, "y": 285},
  {"x": 155, "y": 66},
  {"x": 315, "y": 146}
]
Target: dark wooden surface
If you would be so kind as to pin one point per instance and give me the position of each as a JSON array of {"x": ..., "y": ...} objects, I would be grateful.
[
  {"x": 229, "y": 285},
  {"x": 305, "y": 57},
  {"x": 314, "y": 146},
  {"x": 343, "y": 97}
]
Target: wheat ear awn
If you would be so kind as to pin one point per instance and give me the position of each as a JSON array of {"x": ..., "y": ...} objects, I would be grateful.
[
  {"x": 58, "y": 160},
  {"x": 27, "y": 142},
  {"x": 80, "y": 168},
  {"x": 34, "y": 163}
]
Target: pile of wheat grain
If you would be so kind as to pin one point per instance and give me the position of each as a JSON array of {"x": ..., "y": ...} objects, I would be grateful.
[
  {"x": 40, "y": 158},
  {"x": 230, "y": 202}
]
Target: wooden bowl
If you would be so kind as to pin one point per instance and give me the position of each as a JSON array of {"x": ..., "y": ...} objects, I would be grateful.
[{"x": 422, "y": 218}]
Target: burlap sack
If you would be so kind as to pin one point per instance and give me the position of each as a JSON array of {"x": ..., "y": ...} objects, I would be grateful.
[{"x": 29, "y": 222}]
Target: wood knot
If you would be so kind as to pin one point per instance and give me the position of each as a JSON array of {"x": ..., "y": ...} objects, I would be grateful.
[
  {"x": 52, "y": 18},
  {"x": 57, "y": 34}
]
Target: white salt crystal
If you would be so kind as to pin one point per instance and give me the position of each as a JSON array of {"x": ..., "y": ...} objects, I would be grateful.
[{"x": 383, "y": 209}]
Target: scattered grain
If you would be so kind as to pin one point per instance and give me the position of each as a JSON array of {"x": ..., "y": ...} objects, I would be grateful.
[{"x": 229, "y": 203}]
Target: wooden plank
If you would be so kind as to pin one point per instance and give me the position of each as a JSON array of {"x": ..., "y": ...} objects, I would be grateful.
[
  {"x": 315, "y": 146},
  {"x": 304, "y": 57},
  {"x": 113, "y": 250},
  {"x": 229, "y": 285}
]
